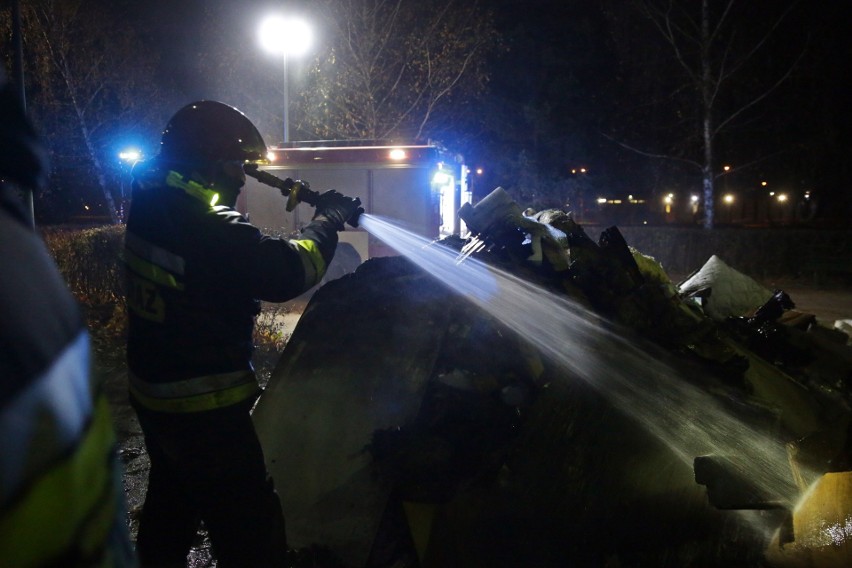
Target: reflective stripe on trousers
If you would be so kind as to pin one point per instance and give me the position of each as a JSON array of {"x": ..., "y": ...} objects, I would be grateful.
[{"x": 196, "y": 394}]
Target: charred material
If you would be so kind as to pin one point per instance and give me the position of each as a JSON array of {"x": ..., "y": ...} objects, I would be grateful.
[{"x": 456, "y": 426}]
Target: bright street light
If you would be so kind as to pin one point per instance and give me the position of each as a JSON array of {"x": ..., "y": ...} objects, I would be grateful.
[
  {"x": 131, "y": 155},
  {"x": 286, "y": 37}
]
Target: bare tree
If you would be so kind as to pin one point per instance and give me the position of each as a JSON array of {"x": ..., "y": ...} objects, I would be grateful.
[
  {"x": 89, "y": 77},
  {"x": 397, "y": 68},
  {"x": 715, "y": 47}
]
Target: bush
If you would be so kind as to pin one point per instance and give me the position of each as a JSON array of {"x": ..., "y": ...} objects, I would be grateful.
[{"x": 90, "y": 262}]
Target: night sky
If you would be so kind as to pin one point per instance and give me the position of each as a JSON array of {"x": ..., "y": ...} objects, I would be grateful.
[{"x": 565, "y": 90}]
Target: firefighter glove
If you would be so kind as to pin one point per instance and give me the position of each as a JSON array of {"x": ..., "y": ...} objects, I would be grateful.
[{"x": 339, "y": 209}]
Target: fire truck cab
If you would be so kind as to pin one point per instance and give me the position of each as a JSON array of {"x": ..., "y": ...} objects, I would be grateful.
[{"x": 420, "y": 187}]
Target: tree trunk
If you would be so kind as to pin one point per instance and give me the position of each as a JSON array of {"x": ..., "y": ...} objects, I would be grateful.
[
  {"x": 93, "y": 154},
  {"x": 707, "y": 122}
]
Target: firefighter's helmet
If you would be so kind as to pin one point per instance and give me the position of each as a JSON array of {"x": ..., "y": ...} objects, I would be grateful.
[{"x": 210, "y": 131}]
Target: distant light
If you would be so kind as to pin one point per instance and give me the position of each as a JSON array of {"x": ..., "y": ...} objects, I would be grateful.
[
  {"x": 601, "y": 199},
  {"x": 763, "y": 183},
  {"x": 573, "y": 171},
  {"x": 582, "y": 170},
  {"x": 285, "y": 36},
  {"x": 694, "y": 198},
  {"x": 729, "y": 198},
  {"x": 479, "y": 171},
  {"x": 782, "y": 197},
  {"x": 668, "y": 199},
  {"x": 271, "y": 156},
  {"x": 726, "y": 168},
  {"x": 771, "y": 193},
  {"x": 397, "y": 154},
  {"x": 441, "y": 178},
  {"x": 86, "y": 207},
  {"x": 131, "y": 155}
]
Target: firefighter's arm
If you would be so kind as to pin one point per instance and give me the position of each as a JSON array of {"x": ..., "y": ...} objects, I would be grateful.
[
  {"x": 269, "y": 268},
  {"x": 282, "y": 269},
  {"x": 319, "y": 238}
]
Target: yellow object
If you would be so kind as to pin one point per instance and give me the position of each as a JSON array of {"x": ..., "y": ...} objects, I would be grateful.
[{"x": 822, "y": 527}]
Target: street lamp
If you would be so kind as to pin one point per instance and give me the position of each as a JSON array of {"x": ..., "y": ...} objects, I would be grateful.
[
  {"x": 285, "y": 37},
  {"x": 131, "y": 155}
]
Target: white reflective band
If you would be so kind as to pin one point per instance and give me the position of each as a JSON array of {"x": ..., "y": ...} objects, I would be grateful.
[
  {"x": 46, "y": 418},
  {"x": 154, "y": 254},
  {"x": 192, "y": 387}
]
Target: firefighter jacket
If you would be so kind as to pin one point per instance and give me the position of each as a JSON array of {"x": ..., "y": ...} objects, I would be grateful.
[
  {"x": 61, "y": 497},
  {"x": 195, "y": 275}
]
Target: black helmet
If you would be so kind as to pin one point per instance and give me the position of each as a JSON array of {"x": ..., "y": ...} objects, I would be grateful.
[{"x": 210, "y": 131}]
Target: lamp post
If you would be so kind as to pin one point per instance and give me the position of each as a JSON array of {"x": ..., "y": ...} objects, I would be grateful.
[{"x": 286, "y": 37}]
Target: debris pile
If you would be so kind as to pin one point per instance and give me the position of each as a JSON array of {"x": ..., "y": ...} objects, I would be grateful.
[{"x": 405, "y": 425}]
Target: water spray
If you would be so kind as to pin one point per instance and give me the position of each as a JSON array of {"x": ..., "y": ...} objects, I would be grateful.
[{"x": 685, "y": 418}]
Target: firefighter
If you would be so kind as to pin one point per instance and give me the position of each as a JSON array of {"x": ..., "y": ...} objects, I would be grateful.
[
  {"x": 61, "y": 496},
  {"x": 196, "y": 272}
]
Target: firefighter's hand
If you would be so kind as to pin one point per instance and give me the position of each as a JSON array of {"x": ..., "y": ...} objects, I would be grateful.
[{"x": 339, "y": 209}]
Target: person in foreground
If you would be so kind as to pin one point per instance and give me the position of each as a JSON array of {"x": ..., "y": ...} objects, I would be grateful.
[{"x": 61, "y": 495}]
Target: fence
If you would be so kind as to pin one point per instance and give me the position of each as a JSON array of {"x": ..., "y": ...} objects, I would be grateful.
[{"x": 822, "y": 255}]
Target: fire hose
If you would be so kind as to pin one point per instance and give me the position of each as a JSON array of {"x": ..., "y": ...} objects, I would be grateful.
[{"x": 298, "y": 191}]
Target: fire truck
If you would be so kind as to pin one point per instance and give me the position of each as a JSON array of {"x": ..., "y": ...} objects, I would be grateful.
[{"x": 419, "y": 186}]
